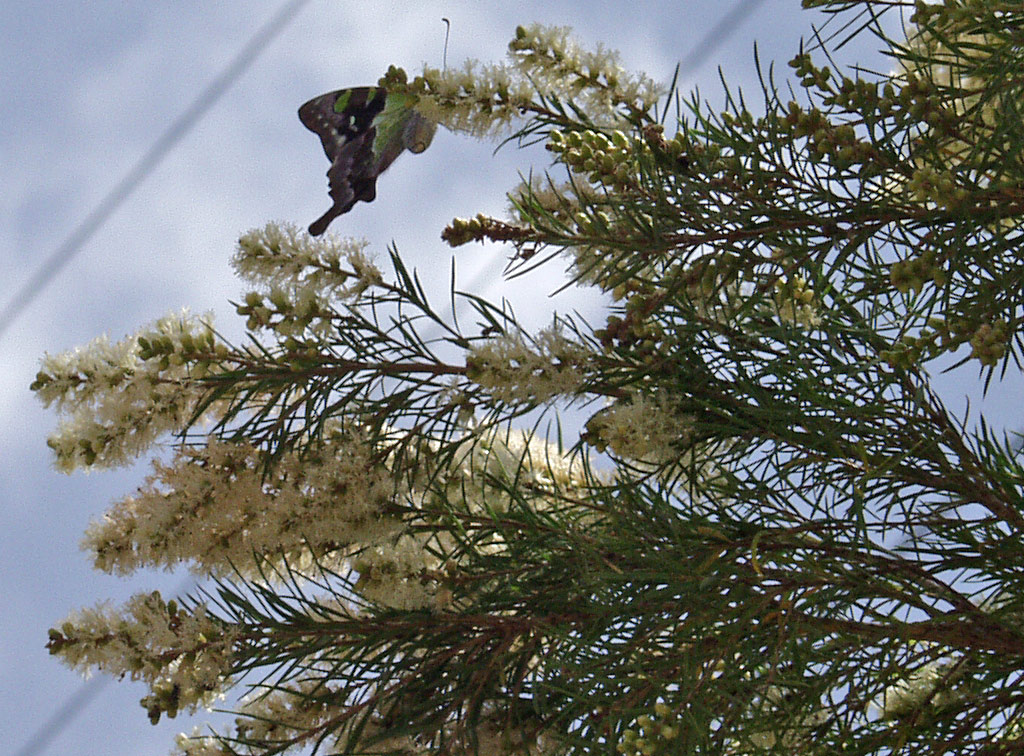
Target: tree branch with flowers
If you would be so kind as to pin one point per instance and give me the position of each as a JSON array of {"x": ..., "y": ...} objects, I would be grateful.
[{"x": 770, "y": 536}]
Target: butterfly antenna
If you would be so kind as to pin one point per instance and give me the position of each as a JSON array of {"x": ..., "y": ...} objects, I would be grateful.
[{"x": 447, "y": 31}]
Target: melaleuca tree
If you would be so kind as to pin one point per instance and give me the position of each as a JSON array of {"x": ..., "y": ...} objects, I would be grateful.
[{"x": 770, "y": 534}]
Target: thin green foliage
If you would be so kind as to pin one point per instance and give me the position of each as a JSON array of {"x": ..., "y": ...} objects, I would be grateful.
[{"x": 770, "y": 536}]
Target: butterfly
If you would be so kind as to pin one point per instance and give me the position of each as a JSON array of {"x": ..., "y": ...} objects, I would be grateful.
[{"x": 363, "y": 130}]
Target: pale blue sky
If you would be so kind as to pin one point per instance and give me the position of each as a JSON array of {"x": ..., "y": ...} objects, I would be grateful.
[{"x": 87, "y": 87}]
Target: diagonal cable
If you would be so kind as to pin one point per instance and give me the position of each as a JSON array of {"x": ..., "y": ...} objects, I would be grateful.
[
  {"x": 717, "y": 35},
  {"x": 85, "y": 230},
  {"x": 80, "y": 699}
]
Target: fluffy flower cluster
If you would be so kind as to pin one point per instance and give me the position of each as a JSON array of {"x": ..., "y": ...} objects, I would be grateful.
[
  {"x": 643, "y": 428},
  {"x": 929, "y": 683},
  {"x": 278, "y": 714},
  {"x": 553, "y": 59},
  {"x": 213, "y": 508},
  {"x": 300, "y": 280},
  {"x": 480, "y": 100},
  {"x": 514, "y": 371},
  {"x": 216, "y": 509},
  {"x": 279, "y": 254},
  {"x": 484, "y": 100},
  {"x": 960, "y": 55},
  {"x": 122, "y": 397},
  {"x": 476, "y": 478},
  {"x": 399, "y": 574},
  {"x": 536, "y": 464},
  {"x": 183, "y": 655}
]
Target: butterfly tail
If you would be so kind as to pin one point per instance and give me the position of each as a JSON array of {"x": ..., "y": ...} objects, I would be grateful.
[{"x": 317, "y": 227}]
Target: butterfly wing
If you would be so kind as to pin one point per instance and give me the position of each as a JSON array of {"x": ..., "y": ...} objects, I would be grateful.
[
  {"x": 345, "y": 122},
  {"x": 362, "y": 130},
  {"x": 399, "y": 127}
]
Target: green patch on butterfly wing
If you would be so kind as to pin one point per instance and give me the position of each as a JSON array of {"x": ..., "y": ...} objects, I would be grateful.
[
  {"x": 342, "y": 102},
  {"x": 400, "y": 127},
  {"x": 391, "y": 121}
]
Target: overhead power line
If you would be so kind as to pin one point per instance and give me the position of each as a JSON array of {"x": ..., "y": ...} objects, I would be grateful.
[
  {"x": 67, "y": 712},
  {"x": 81, "y": 698},
  {"x": 717, "y": 35},
  {"x": 85, "y": 230}
]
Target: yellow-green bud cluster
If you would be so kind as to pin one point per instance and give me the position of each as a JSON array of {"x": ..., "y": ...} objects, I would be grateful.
[
  {"x": 181, "y": 350},
  {"x": 950, "y": 334},
  {"x": 197, "y": 350},
  {"x": 793, "y": 291},
  {"x": 796, "y": 302},
  {"x": 280, "y": 312},
  {"x": 743, "y": 120},
  {"x": 593, "y": 222},
  {"x": 598, "y": 222},
  {"x": 464, "y": 230},
  {"x": 677, "y": 147},
  {"x": 838, "y": 142},
  {"x": 907, "y": 352},
  {"x": 397, "y": 80},
  {"x": 915, "y": 96},
  {"x": 862, "y": 96},
  {"x": 911, "y": 275},
  {"x": 164, "y": 698},
  {"x": 642, "y": 337},
  {"x": 709, "y": 275},
  {"x": 930, "y": 185},
  {"x": 989, "y": 342},
  {"x": 605, "y": 160},
  {"x": 652, "y": 734},
  {"x": 919, "y": 98},
  {"x": 948, "y": 12},
  {"x": 636, "y": 331},
  {"x": 812, "y": 76}
]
